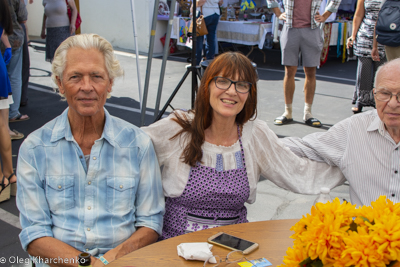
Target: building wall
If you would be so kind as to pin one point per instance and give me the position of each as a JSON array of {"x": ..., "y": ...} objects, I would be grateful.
[{"x": 111, "y": 19}]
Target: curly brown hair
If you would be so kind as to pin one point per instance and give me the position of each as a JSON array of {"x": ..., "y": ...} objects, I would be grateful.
[{"x": 227, "y": 65}]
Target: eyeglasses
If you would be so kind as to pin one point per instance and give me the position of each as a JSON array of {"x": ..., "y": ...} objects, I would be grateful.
[
  {"x": 232, "y": 257},
  {"x": 224, "y": 84},
  {"x": 385, "y": 96}
]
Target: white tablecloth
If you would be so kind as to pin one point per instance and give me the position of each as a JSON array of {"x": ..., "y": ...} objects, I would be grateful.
[{"x": 238, "y": 32}]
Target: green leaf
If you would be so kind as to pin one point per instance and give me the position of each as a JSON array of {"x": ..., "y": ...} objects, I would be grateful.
[
  {"x": 317, "y": 263},
  {"x": 306, "y": 262}
]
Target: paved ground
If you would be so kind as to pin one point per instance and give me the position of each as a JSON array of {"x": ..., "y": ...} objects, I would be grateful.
[{"x": 332, "y": 103}]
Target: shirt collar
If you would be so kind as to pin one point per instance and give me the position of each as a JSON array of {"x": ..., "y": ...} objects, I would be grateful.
[
  {"x": 377, "y": 125},
  {"x": 62, "y": 128}
]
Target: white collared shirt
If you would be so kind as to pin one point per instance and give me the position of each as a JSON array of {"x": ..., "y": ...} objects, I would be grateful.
[{"x": 363, "y": 150}]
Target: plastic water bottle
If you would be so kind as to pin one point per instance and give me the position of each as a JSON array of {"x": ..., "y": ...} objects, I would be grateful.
[{"x": 323, "y": 196}]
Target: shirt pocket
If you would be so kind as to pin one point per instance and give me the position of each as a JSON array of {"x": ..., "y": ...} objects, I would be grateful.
[
  {"x": 120, "y": 194},
  {"x": 60, "y": 192}
]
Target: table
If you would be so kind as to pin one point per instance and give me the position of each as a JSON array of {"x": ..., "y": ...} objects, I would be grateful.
[{"x": 272, "y": 237}]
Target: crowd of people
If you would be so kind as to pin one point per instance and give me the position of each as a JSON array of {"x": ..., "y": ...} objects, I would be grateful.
[{"x": 89, "y": 181}]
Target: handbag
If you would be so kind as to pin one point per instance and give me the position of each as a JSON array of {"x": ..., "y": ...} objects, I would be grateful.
[
  {"x": 201, "y": 28},
  {"x": 388, "y": 26},
  {"x": 78, "y": 17}
]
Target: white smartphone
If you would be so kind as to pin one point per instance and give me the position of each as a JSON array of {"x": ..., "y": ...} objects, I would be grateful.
[{"x": 232, "y": 242}]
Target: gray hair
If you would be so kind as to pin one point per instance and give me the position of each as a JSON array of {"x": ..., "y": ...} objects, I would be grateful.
[
  {"x": 395, "y": 63},
  {"x": 86, "y": 41}
]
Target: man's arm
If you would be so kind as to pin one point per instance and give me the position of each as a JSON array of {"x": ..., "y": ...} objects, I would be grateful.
[
  {"x": 36, "y": 235},
  {"x": 326, "y": 147},
  {"x": 53, "y": 249},
  {"x": 142, "y": 237}
]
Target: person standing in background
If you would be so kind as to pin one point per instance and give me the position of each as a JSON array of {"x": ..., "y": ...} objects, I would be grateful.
[
  {"x": 301, "y": 33},
  {"x": 25, "y": 63},
  {"x": 56, "y": 26},
  {"x": 211, "y": 13},
  {"x": 392, "y": 52},
  {"x": 19, "y": 15},
  {"x": 7, "y": 175},
  {"x": 361, "y": 37}
]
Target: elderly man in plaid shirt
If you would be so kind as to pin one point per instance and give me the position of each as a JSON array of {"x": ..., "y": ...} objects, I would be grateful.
[{"x": 301, "y": 33}]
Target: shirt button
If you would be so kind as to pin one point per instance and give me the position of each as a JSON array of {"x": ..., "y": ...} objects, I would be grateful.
[
  {"x": 87, "y": 249},
  {"x": 396, "y": 171},
  {"x": 88, "y": 229},
  {"x": 397, "y": 148},
  {"x": 94, "y": 158},
  {"x": 80, "y": 157},
  {"x": 89, "y": 208},
  {"x": 121, "y": 186},
  {"x": 59, "y": 187},
  {"x": 393, "y": 195},
  {"x": 89, "y": 183}
]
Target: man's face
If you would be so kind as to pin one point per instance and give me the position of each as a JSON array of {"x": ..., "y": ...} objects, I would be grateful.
[
  {"x": 388, "y": 82},
  {"x": 85, "y": 82}
]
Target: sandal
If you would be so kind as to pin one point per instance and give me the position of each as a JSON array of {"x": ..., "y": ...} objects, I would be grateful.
[
  {"x": 281, "y": 120},
  {"x": 313, "y": 122},
  {"x": 357, "y": 108},
  {"x": 19, "y": 117},
  {"x": 17, "y": 135},
  {"x": 5, "y": 190},
  {"x": 13, "y": 185}
]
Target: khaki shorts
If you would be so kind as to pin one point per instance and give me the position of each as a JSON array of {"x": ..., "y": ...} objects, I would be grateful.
[
  {"x": 305, "y": 40},
  {"x": 392, "y": 52}
]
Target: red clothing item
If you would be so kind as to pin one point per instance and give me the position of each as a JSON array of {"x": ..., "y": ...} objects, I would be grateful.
[{"x": 302, "y": 14}]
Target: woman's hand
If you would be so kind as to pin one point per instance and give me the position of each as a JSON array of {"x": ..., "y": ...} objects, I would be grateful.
[
  {"x": 350, "y": 42},
  {"x": 283, "y": 16},
  {"x": 375, "y": 54},
  {"x": 72, "y": 29},
  {"x": 43, "y": 34}
]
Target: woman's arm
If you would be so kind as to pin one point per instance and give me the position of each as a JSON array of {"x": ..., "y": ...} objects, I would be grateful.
[
  {"x": 358, "y": 17},
  {"x": 4, "y": 39},
  {"x": 74, "y": 10},
  {"x": 43, "y": 34}
]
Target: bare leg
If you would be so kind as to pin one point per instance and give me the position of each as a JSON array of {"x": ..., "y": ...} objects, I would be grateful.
[
  {"x": 309, "y": 92},
  {"x": 288, "y": 91},
  {"x": 310, "y": 84},
  {"x": 288, "y": 83},
  {"x": 5, "y": 145}
]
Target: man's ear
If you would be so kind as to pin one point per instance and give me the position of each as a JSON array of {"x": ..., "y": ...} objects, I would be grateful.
[
  {"x": 59, "y": 84},
  {"x": 109, "y": 89}
]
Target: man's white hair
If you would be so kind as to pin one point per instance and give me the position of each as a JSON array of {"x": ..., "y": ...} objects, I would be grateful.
[
  {"x": 87, "y": 42},
  {"x": 393, "y": 64}
]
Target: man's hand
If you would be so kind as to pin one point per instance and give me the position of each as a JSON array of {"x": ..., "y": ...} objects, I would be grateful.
[
  {"x": 323, "y": 17},
  {"x": 283, "y": 16},
  {"x": 375, "y": 54},
  {"x": 96, "y": 262}
]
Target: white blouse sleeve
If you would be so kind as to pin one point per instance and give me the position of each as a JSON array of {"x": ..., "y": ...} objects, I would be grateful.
[
  {"x": 160, "y": 133},
  {"x": 278, "y": 164}
]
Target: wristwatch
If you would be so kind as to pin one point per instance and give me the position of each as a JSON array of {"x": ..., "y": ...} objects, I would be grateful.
[{"x": 351, "y": 38}]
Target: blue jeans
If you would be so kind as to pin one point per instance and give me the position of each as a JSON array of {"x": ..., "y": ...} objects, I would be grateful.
[
  {"x": 211, "y": 23},
  {"x": 14, "y": 69}
]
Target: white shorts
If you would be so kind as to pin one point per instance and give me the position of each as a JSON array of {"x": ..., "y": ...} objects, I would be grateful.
[{"x": 5, "y": 103}]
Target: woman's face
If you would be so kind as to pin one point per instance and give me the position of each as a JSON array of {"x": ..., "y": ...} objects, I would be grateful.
[{"x": 226, "y": 103}]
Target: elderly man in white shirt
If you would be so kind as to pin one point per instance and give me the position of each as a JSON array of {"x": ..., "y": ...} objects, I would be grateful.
[{"x": 365, "y": 146}]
